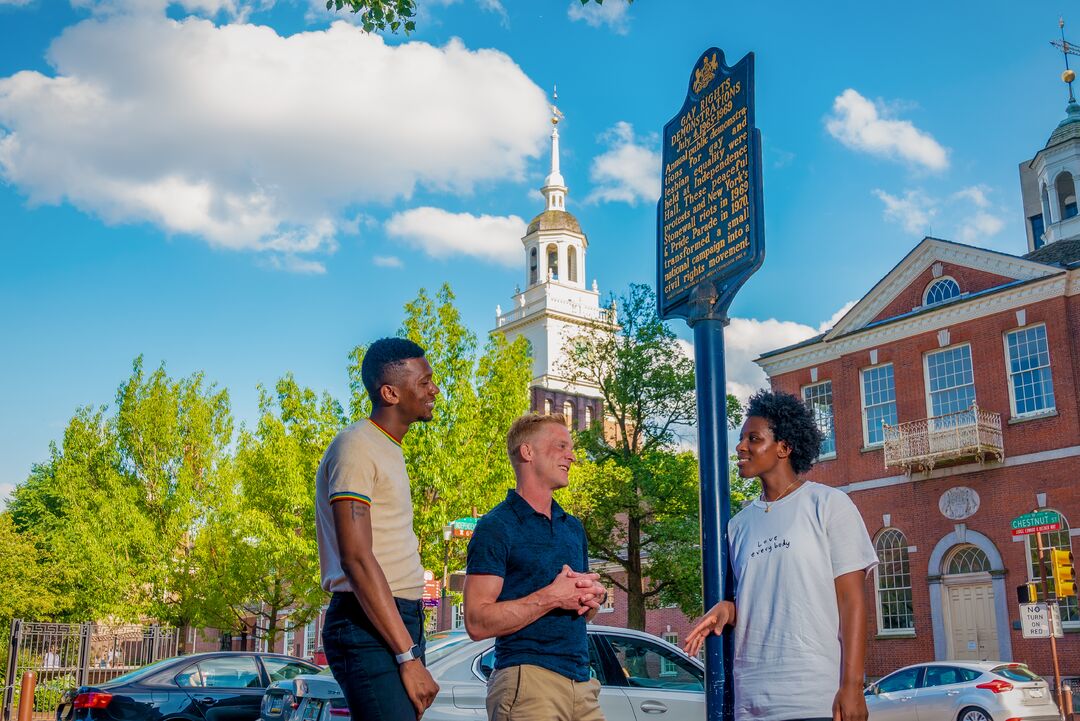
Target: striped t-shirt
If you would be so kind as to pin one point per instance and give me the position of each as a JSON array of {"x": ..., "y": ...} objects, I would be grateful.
[{"x": 364, "y": 464}]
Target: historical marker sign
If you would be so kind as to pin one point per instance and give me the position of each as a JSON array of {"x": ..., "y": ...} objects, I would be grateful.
[
  {"x": 709, "y": 217},
  {"x": 1037, "y": 522}
]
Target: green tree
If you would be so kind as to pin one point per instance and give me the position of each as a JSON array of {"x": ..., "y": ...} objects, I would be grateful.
[
  {"x": 635, "y": 491},
  {"x": 27, "y": 587},
  {"x": 113, "y": 508},
  {"x": 457, "y": 461},
  {"x": 393, "y": 15},
  {"x": 256, "y": 557}
]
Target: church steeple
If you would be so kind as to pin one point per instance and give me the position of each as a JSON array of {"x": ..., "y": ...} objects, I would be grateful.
[{"x": 554, "y": 188}]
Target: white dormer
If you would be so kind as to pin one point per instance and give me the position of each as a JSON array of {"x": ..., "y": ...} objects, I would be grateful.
[{"x": 1048, "y": 184}]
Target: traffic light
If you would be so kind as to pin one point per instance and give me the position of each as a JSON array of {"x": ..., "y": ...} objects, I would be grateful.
[
  {"x": 1064, "y": 573},
  {"x": 1026, "y": 593}
]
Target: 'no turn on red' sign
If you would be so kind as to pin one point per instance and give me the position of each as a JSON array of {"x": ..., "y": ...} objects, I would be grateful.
[{"x": 1035, "y": 620}]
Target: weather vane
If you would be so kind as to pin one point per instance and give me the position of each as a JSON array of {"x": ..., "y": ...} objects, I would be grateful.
[
  {"x": 556, "y": 114},
  {"x": 1066, "y": 49}
]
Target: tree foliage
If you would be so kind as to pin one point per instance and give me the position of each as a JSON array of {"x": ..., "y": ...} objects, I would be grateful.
[
  {"x": 636, "y": 492},
  {"x": 392, "y": 15}
]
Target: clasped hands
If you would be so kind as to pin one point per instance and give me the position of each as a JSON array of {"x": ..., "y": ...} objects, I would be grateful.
[{"x": 581, "y": 592}]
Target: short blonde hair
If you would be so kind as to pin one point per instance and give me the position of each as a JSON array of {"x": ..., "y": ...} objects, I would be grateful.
[{"x": 524, "y": 429}]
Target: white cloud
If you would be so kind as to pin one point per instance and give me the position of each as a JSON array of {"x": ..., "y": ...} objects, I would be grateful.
[
  {"x": 254, "y": 141},
  {"x": 628, "y": 171},
  {"x": 747, "y": 338},
  {"x": 976, "y": 194},
  {"x": 495, "y": 6},
  {"x": 979, "y": 227},
  {"x": 441, "y": 234},
  {"x": 861, "y": 125},
  {"x": 613, "y": 13},
  {"x": 387, "y": 261},
  {"x": 913, "y": 211},
  {"x": 12, "y": 2}
]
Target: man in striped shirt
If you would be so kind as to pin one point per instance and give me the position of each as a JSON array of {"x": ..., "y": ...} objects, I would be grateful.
[{"x": 368, "y": 552}]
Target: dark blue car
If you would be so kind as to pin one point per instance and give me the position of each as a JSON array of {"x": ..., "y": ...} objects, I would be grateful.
[{"x": 218, "y": 686}]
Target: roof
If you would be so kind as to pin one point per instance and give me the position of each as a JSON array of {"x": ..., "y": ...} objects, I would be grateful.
[
  {"x": 554, "y": 220},
  {"x": 1068, "y": 128},
  {"x": 1061, "y": 252}
]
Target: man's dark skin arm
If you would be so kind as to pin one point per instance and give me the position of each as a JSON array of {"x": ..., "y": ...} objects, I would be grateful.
[
  {"x": 352, "y": 523},
  {"x": 850, "y": 704}
]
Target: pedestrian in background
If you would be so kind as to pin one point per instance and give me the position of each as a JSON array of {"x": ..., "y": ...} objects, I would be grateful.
[
  {"x": 800, "y": 554},
  {"x": 368, "y": 552}
]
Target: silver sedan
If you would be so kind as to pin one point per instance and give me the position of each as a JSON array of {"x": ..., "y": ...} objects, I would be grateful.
[
  {"x": 961, "y": 691},
  {"x": 642, "y": 677}
]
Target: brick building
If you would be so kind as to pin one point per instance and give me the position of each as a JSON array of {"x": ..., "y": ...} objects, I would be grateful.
[{"x": 948, "y": 397}]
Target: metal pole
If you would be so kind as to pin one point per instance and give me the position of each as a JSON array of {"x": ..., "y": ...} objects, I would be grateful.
[
  {"x": 26, "y": 696},
  {"x": 1050, "y": 621},
  {"x": 715, "y": 507}
]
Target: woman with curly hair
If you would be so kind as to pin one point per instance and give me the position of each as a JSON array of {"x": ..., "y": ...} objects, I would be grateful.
[{"x": 800, "y": 553}]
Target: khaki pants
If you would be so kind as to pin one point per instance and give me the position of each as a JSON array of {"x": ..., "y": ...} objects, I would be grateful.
[{"x": 532, "y": 693}]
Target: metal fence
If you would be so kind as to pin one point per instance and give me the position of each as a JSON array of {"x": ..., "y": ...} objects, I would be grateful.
[{"x": 66, "y": 655}]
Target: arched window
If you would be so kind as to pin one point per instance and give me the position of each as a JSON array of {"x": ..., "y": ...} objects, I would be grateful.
[
  {"x": 588, "y": 415},
  {"x": 1054, "y": 539},
  {"x": 1066, "y": 192},
  {"x": 968, "y": 559},
  {"x": 571, "y": 264},
  {"x": 895, "y": 611},
  {"x": 533, "y": 268},
  {"x": 941, "y": 290},
  {"x": 568, "y": 414},
  {"x": 553, "y": 261}
]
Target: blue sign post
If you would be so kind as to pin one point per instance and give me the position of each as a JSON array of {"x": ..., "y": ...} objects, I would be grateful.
[{"x": 710, "y": 239}]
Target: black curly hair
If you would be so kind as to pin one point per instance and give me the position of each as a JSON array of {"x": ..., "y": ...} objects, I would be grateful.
[
  {"x": 381, "y": 358},
  {"x": 791, "y": 421}
]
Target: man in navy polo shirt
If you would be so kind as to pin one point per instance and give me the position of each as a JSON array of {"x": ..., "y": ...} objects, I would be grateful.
[{"x": 528, "y": 585}]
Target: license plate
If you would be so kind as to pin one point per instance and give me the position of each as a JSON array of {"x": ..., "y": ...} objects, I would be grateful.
[{"x": 1035, "y": 692}]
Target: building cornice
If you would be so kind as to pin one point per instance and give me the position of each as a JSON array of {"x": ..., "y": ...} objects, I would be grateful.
[
  {"x": 890, "y": 331},
  {"x": 918, "y": 260}
]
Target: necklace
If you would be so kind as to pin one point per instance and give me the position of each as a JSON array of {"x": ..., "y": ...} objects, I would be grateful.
[{"x": 768, "y": 503}]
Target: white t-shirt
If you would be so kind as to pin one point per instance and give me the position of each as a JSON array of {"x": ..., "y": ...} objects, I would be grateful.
[{"x": 787, "y": 624}]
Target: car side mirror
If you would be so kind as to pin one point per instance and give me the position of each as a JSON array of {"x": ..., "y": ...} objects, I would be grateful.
[{"x": 871, "y": 690}]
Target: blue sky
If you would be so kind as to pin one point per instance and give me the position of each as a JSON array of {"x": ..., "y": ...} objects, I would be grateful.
[{"x": 241, "y": 188}]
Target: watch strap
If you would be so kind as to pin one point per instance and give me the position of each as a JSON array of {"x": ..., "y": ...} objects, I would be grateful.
[{"x": 411, "y": 654}]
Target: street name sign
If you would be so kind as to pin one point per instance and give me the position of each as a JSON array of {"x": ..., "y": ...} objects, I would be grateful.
[
  {"x": 1036, "y": 522},
  {"x": 464, "y": 527},
  {"x": 1035, "y": 621},
  {"x": 709, "y": 217}
]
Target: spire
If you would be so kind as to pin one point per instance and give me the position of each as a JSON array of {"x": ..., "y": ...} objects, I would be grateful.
[
  {"x": 554, "y": 188},
  {"x": 1067, "y": 49}
]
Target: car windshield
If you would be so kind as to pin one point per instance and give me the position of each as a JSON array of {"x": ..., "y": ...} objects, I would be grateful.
[
  {"x": 440, "y": 645},
  {"x": 139, "y": 673},
  {"x": 1016, "y": 672}
]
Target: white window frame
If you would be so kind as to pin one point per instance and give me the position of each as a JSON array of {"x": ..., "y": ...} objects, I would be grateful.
[
  {"x": 667, "y": 667},
  {"x": 1009, "y": 374},
  {"x": 311, "y": 634},
  {"x": 457, "y": 616},
  {"x": 862, "y": 403},
  {"x": 882, "y": 631},
  {"x": 935, "y": 281},
  {"x": 288, "y": 641},
  {"x": 926, "y": 376},
  {"x": 823, "y": 456}
]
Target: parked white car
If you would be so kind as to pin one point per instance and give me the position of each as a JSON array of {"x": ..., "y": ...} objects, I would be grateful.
[
  {"x": 961, "y": 691},
  {"x": 641, "y": 676}
]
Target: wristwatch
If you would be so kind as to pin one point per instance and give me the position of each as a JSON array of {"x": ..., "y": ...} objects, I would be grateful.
[{"x": 411, "y": 654}]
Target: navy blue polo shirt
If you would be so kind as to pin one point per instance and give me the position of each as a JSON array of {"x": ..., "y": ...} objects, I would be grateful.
[{"x": 527, "y": 550}]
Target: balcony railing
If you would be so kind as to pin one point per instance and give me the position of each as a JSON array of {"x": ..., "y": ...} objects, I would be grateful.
[{"x": 973, "y": 434}]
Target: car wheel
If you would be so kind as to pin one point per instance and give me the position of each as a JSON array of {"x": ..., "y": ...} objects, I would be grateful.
[{"x": 972, "y": 713}]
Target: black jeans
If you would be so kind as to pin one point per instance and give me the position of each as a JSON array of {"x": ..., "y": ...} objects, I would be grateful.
[{"x": 363, "y": 663}]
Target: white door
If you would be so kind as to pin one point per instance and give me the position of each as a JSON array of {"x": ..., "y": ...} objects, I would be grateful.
[{"x": 972, "y": 626}]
